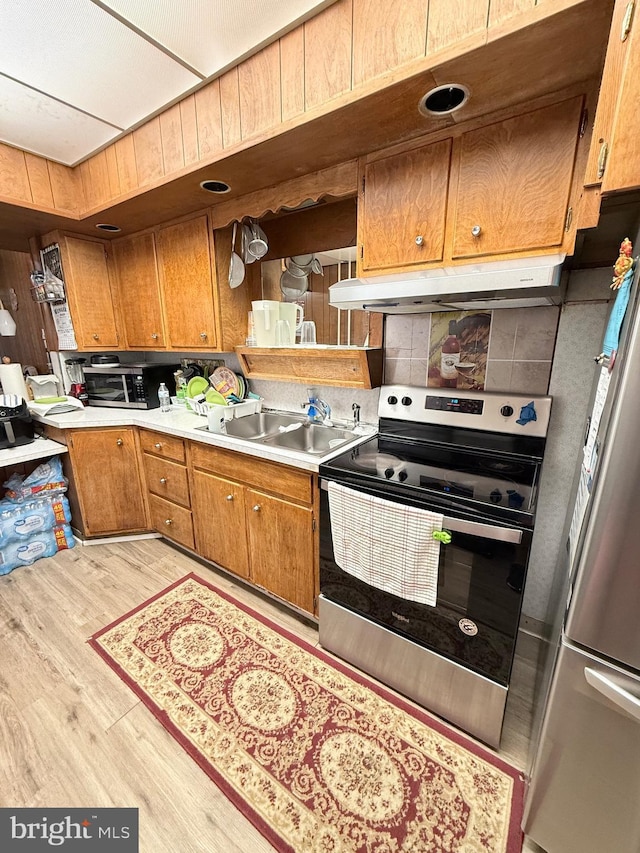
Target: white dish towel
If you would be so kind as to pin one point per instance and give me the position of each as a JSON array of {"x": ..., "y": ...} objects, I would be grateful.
[{"x": 388, "y": 545}]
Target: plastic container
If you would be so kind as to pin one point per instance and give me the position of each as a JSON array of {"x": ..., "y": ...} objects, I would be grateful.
[{"x": 164, "y": 398}]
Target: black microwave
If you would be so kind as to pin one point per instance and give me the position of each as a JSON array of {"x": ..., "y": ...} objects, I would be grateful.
[{"x": 128, "y": 386}]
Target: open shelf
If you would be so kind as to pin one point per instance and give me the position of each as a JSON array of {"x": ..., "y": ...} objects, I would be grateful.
[{"x": 352, "y": 367}]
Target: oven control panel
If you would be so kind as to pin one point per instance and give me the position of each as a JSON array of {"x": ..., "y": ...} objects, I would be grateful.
[
  {"x": 504, "y": 412},
  {"x": 455, "y": 404}
]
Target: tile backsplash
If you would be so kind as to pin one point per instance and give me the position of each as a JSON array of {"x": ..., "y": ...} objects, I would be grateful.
[{"x": 520, "y": 354}]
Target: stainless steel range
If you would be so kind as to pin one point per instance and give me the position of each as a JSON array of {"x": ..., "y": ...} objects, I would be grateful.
[{"x": 461, "y": 469}]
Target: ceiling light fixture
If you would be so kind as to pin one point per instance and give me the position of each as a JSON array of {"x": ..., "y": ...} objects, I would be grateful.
[
  {"x": 443, "y": 100},
  {"x": 103, "y": 226},
  {"x": 215, "y": 186}
]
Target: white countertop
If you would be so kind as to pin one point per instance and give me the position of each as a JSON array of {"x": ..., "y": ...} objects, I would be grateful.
[
  {"x": 182, "y": 423},
  {"x": 40, "y": 448}
]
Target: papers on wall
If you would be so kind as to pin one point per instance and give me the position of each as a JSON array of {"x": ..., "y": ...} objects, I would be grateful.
[{"x": 64, "y": 326}]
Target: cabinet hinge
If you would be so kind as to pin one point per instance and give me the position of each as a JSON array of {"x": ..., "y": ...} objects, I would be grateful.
[
  {"x": 361, "y": 252},
  {"x": 70, "y": 441},
  {"x": 627, "y": 20},
  {"x": 584, "y": 120},
  {"x": 602, "y": 159},
  {"x": 313, "y": 524},
  {"x": 363, "y": 185},
  {"x": 567, "y": 222}
]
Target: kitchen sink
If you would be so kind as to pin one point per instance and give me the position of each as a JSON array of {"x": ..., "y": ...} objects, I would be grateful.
[
  {"x": 310, "y": 438},
  {"x": 288, "y": 431},
  {"x": 260, "y": 425}
]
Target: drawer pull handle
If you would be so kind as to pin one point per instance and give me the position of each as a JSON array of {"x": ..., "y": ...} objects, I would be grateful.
[
  {"x": 169, "y": 522},
  {"x": 119, "y": 442},
  {"x": 203, "y": 335},
  {"x": 154, "y": 336},
  {"x": 419, "y": 240},
  {"x": 163, "y": 480},
  {"x": 229, "y": 497},
  {"x": 476, "y": 231},
  {"x": 158, "y": 445},
  {"x": 257, "y": 508},
  {"x": 96, "y": 337}
]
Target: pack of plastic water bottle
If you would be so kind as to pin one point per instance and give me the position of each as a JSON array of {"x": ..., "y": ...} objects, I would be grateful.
[
  {"x": 43, "y": 544},
  {"x": 19, "y": 522},
  {"x": 46, "y": 479}
]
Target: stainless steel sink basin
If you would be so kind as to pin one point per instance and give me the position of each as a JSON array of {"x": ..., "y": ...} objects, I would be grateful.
[
  {"x": 288, "y": 431},
  {"x": 310, "y": 438}
]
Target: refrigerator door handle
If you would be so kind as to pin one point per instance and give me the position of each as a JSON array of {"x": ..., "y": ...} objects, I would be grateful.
[{"x": 622, "y": 698}]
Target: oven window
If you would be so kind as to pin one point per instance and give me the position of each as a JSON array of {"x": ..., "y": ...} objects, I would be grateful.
[
  {"x": 105, "y": 386},
  {"x": 475, "y": 620}
]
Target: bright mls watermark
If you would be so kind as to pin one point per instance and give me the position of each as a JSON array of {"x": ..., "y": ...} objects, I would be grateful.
[{"x": 73, "y": 830}]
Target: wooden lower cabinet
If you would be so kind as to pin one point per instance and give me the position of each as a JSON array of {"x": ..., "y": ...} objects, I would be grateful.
[
  {"x": 256, "y": 519},
  {"x": 167, "y": 481},
  {"x": 107, "y": 481}
]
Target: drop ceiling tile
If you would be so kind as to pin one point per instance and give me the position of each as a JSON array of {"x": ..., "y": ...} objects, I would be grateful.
[
  {"x": 209, "y": 36},
  {"x": 78, "y": 53},
  {"x": 39, "y": 124}
]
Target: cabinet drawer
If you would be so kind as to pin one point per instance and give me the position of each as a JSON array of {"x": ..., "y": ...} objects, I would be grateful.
[
  {"x": 270, "y": 476},
  {"x": 172, "y": 521},
  {"x": 167, "y": 479},
  {"x": 162, "y": 445}
]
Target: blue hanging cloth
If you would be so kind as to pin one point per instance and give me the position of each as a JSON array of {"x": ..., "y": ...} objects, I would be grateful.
[
  {"x": 527, "y": 413},
  {"x": 612, "y": 335}
]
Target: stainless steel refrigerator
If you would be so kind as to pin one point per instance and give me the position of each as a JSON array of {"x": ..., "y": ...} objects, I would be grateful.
[{"x": 584, "y": 792}]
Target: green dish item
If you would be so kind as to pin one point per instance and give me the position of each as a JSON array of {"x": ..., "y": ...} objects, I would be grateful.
[
  {"x": 213, "y": 396},
  {"x": 197, "y": 385}
]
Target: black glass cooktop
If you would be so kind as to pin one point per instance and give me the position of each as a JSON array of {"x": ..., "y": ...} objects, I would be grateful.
[{"x": 469, "y": 476}]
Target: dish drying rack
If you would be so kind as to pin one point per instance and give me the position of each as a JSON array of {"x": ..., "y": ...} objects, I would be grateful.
[{"x": 246, "y": 407}]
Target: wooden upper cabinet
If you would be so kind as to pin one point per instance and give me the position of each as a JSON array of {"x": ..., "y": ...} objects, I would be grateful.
[
  {"x": 138, "y": 290},
  {"x": 186, "y": 279},
  {"x": 86, "y": 275},
  {"x": 402, "y": 208},
  {"x": 618, "y": 49},
  {"x": 514, "y": 182},
  {"x": 621, "y": 168}
]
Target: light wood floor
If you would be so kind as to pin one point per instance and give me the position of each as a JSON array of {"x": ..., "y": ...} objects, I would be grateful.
[{"x": 73, "y": 734}]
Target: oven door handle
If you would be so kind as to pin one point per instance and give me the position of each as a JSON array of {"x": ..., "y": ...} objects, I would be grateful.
[{"x": 486, "y": 531}]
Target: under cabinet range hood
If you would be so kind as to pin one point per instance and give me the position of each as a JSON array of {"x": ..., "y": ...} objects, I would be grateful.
[{"x": 521, "y": 283}]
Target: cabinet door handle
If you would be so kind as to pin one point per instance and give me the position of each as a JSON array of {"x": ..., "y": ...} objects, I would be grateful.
[
  {"x": 476, "y": 231},
  {"x": 602, "y": 159},
  {"x": 154, "y": 336},
  {"x": 169, "y": 522},
  {"x": 626, "y": 21},
  {"x": 229, "y": 497},
  {"x": 163, "y": 480},
  {"x": 203, "y": 335},
  {"x": 119, "y": 442},
  {"x": 419, "y": 240},
  {"x": 96, "y": 337},
  {"x": 158, "y": 445},
  {"x": 256, "y": 508}
]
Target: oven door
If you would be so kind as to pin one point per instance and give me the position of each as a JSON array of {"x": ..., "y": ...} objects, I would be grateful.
[{"x": 481, "y": 575}]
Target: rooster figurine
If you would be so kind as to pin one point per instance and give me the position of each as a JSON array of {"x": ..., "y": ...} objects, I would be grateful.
[{"x": 623, "y": 264}]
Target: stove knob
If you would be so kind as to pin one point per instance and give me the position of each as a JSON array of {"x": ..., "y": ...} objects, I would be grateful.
[
  {"x": 506, "y": 411},
  {"x": 392, "y": 400},
  {"x": 388, "y": 473},
  {"x": 406, "y": 401},
  {"x": 496, "y": 496},
  {"x": 402, "y": 476}
]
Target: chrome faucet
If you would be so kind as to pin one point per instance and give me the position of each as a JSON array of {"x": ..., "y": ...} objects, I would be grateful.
[
  {"x": 317, "y": 410},
  {"x": 356, "y": 414}
]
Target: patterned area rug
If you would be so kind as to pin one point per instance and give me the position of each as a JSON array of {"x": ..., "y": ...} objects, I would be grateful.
[{"x": 321, "y": 761}]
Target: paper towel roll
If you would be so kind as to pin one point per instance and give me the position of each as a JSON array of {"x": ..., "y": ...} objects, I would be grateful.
[{"x": 12, "y": 380}]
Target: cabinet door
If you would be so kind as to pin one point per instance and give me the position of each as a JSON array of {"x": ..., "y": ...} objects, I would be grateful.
[
  {"x": 89, "y": 293},
  {"x": 138, "y": 290},
  {"x": 219, "y": 519},
  {"x": 402, "y": 212},
  {"x": 281, "y": 547},
  {"x": 184, "y": 261},
  {"x": 107, "y": 479},
  {"x": 622, "y": 169},
  {"x": 514, "y": 182}
]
